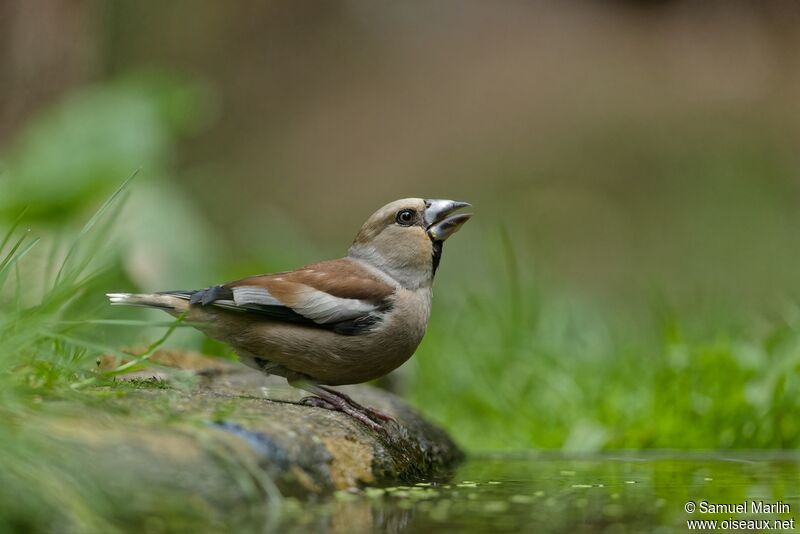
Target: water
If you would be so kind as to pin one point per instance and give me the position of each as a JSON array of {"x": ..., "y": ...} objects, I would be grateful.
[{"x": 553, "y": 493}]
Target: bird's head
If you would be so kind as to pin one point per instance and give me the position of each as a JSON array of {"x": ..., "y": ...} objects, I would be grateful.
[{"x": 405, "y": 238}]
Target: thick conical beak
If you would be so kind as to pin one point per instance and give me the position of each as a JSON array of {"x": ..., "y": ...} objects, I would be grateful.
[{"x": 439, "y": 225}]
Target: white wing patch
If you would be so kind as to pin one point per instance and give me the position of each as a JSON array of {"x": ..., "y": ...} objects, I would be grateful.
[
  {"x": 323, "y": 307},
  {"x": 316, "y": 305},
  {"x": 254, "y": 295}
]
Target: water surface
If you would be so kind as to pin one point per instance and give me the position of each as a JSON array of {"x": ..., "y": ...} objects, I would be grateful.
[{"x": 556, "y": 493}]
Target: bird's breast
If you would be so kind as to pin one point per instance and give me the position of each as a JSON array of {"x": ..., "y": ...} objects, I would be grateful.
[{"x": 408, "y": 317}]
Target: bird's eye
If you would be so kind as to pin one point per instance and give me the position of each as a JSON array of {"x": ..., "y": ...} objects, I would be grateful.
[{"x": 405, "y": 217}]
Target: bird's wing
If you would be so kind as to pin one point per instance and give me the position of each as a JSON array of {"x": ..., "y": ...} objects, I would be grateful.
[{"x": 340, "y": 295}]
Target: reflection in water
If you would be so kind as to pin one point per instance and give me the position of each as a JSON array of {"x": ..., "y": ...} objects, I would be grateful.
[{"x": 550, "y": 493}]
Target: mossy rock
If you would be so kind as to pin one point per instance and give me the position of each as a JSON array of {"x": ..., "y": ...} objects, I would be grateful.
[{"x": 240, "y": 413}]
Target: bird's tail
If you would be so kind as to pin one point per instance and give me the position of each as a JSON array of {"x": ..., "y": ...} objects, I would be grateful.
[{"x": 176, "y": 302}]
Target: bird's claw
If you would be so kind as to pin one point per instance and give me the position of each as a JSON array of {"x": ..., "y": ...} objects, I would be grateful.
[
  {"x": 380, "y": 415},
  {"x": 342, "y": 403},
  {"x": 375, "y": 414}
]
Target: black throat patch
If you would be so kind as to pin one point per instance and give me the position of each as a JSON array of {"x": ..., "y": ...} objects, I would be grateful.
[{"x": 437, "y": 254}]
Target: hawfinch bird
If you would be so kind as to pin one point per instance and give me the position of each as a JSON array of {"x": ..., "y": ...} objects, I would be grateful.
[{"x": 336, "y": 322}]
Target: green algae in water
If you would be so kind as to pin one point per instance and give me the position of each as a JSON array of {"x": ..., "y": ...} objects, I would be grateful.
[{"x": 550, "y": 493}]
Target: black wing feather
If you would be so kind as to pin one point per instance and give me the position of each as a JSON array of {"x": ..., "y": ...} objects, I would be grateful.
[{"x": 211, "y": 295}]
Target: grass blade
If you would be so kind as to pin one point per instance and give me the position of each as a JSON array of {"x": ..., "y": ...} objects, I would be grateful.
[
  {"x": 13, "y": 258},
  {"x": 92, "y": 222},
  {"x": 137, "y": 361},
  {"x": 13, "y": 228},
  {"x": 127, "y": 322}
]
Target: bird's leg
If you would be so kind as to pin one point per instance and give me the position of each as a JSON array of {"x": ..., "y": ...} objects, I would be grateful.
[
  {"x": 371, "y": 411},
  {"x": 317, "y": 402},
  {"x": 325, "y": 398}
]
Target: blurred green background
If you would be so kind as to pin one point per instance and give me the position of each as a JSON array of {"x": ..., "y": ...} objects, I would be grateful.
[{"x": 629, "y": 278}]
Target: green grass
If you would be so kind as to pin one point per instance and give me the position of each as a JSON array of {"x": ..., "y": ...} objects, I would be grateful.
[
  {"x": 147, "y": 383},
  {"x": 515, "y": 366},
  {"x": 52, "y": 479}
]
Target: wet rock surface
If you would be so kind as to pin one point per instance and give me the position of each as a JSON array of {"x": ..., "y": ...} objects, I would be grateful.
[{"x": 232, "y": 413}]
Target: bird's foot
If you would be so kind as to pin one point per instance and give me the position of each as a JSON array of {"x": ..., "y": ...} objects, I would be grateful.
[
  {"x": 375, "y": 414},
  {"x": 372, "y": 418}
]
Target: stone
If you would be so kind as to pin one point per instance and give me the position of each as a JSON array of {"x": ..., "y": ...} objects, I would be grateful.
[{"x": 300, "y": 450}]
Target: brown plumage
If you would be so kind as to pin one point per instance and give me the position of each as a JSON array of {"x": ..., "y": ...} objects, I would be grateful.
[
  {"x": 340, "y": 278},
  {"x": 334, "y": 322}
]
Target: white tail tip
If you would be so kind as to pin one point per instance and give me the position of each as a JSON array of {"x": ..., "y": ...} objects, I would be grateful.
[{"x": 118, "y": 298}]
